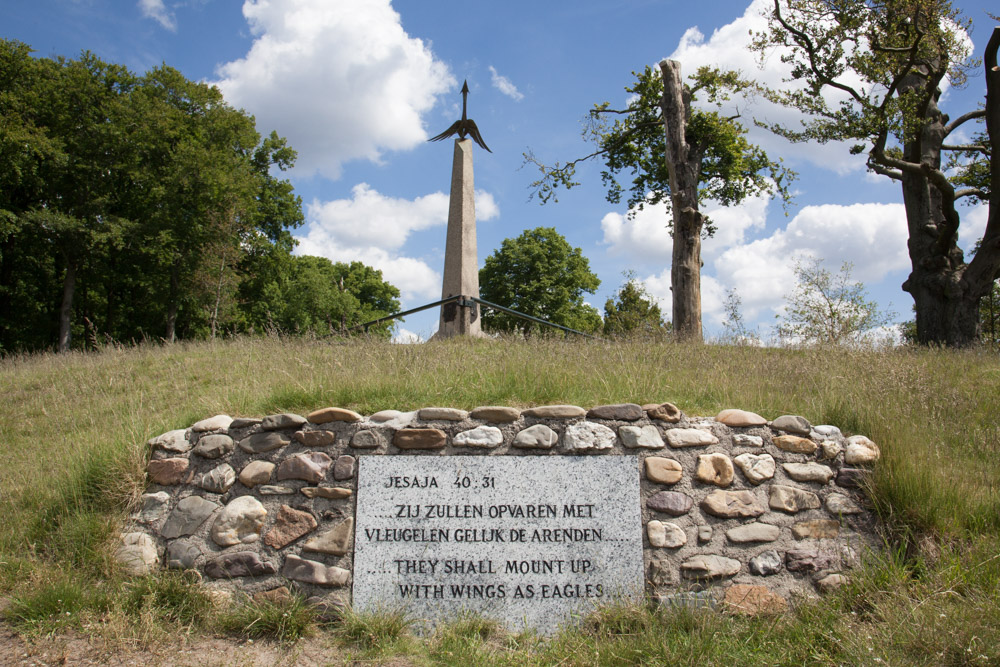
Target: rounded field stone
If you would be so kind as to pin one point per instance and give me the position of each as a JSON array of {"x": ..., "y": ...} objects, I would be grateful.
[
  {"x": 216, "y": 423},
  {"x": 704, "y": 534},
  {"x": 753, "y": 532},
  {"x": 792, "y": 424},
  {"x": 828, "y": 432},
  {"x": 618, "y": 411},
  {"x": 239, "y": 564},
  {"x": 555, "y": 412},
  {"x": 331, "y": 492},
  {"x": 587, "y": 436},
  {"x": 831, "y": 582},
  {"x": 259, "y": 443},
  {"x": 670, "y": 502},
  {"x": 756, "y": 467},
  {"x": 745, "y": 440},
  {"x": 167, "y": 472},
  {"x": 385, "y": 415},
  {"x": 732, "y": 505},
  {"x": 666, "y": 412},
  {"x": 419, "y": 438},
  {"x": 218, "y": 479},
  {"x": 740, "y": 418},
  {"x": 344, "y": 467},
  {"x": 275, "y": 490},
  {"x": 336, "y": 541},
  {"x": 817, "y": 529},
  {"x": 366, "y": 440},
  {"x": 256, "y": 473},
  {"x": 751, "y": 600},
  {"x": 641, "y": 437},
  {"x": 538, "y": 436},
  {"x": 809, "y": 472},
  {"x": 214, "y": 446},
  {"x": 861, "y": 451},
  {"x": 172, "y": 441},
  {"x": 280, "y": 421},
  {"x": 496, "y": 414},
  {"x": 325, "y": 415},
  {"x": 837, "y": 503},
  {"x": 313, "y": 572},
  {"x": 715, "y": 469},
  {"x": 239, "y": 522},
  {"x": 310, "y": 466},
  {"x": 690, "y": 437},
  {"x": 187, "y": 516},
  {"x": 663, "y": 470},
  {"x": 790, "y": 499},
  {"x": 154, "y": 506},
  {"x": 829, "y": 449},
  {"x": 289, "y": 525},
  {"x": 851, "y": 478},
  {"x": 811, "y": 560},
  {"x": 765, "y": 564},
  {"x": 710, "y": 567},
  {"x": 137, "y": 554},
  {"x": 442, "y": 414},
  {"x": 182, "y": 554},
  {"x": 315, "y": 438},
  {"x": 795, "y": 444},
  {"x": 481, "y": 436},
  {"x": 665, "y": 535}
]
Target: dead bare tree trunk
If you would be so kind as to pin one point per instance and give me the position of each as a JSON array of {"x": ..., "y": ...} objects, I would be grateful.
[{"x": 684, "y": 167}]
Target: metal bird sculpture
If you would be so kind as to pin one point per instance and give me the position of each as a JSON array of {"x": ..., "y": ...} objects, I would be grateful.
[{"x": 463, "y": 127}]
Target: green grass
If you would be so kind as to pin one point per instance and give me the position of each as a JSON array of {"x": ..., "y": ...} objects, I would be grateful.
[
  {"x": 73, "y": 429},
  {"x": 284, "y": 622}
]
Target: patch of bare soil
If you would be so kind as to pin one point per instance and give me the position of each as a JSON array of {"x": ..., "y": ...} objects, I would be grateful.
[{"x": 189, "y": 651}]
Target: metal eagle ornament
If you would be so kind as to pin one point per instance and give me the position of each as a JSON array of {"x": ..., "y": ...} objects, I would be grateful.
[{"x": 465, "y": 126}]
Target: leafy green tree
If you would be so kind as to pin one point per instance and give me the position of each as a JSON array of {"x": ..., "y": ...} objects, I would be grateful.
[
  {"x": 678, "y": 154},
  {"x": 320, "y": 297},
  {"x": 828, "y": 309},
  {"x": 131, "y": 206},
  {"x": 633, "y": 312},
  {"x": 885, "y": 63},
  {"x": 539, "y": 274}
]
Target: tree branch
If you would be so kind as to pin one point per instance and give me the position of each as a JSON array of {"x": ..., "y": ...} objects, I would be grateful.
[
  {"x": 803, "y": 39},
  {"x": 972, "y": 192},
  {"x": 964, "y": 118},
  {"x": 967, "y": 147}
]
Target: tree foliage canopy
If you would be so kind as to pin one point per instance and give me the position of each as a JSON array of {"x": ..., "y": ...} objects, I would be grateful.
[
  {"x": 144, "y": 206},
  {"x": 829, "y": 309},
  {"x": 539, "y": 274},
  {"x": 631, "y": 143},
  {"x": 871, "y": 74},
  {"x": 633, "y": 312}
]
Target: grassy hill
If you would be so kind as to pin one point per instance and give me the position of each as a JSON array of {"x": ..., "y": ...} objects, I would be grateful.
[{"x": 72, "y": 455}]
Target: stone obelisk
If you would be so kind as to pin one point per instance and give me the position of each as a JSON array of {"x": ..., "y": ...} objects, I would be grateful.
[{"x": 461, "y": 270}]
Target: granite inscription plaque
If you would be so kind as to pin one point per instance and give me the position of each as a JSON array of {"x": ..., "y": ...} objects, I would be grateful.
[{"x": 530, "y": 541}]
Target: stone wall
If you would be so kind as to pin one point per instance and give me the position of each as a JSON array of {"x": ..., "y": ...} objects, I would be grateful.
[{"x": 735, "y": 508}]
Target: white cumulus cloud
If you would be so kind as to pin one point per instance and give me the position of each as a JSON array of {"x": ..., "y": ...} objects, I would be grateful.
[
  {"x": 156, "y": 10},
  {"x": 341, "y": 80},
  {"x": 762, "y": 270},
  {"x": 373, "y": 228},
  {"x": 505, "y": 86}
]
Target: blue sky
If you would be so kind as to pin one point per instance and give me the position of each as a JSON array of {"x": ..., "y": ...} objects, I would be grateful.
[{"x": 357, "y": 86}]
